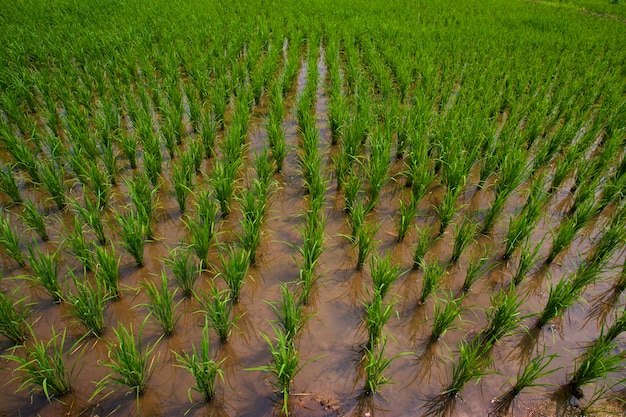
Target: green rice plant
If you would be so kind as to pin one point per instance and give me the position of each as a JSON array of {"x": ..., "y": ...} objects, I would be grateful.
[
  {"x": 87, "y": 303},
  {"x": 384, "y": 273},
  {"x": 161, "y": 304},
  {"x": 98, "y": 183},
  {"x": 618, "y": 326},
  {"x": 34, "y": 220},
  {"x": 182, "y": 180},
  {"x": 526, "y": 378},
  {"x": 44, "y": 366},
  {"x": 376, "y": 364},
  {"x": 569, "y": 228},
  {"x": 14, "y": 312},
  {"x": 223, "y": 182},
  {"x": 253, "y": 209},
  {"x": 201, "y": 233},
  {"x": 264, "y": 169},
  {"x": 194, "y": 154},
  {"x": 91, "y": 215},
  {"x": 204, "y": 369},
  {"x": 337, "y": 118},
  {"x": 425, "y": 241},
  {"x": 10, "y": 240},
  {"x": 208, "y": 133},
  {"x": 561, "y": 297},
  {"x": 503, "y": 316},
  {"x": 8, "y": 185},
  {"x": 185, "y": 270},
  {"x": 109, "y": 160},
  {"x": 45, "y": 271},
  {"x": 143, "y": 196},
  {"x": 75, "y": 238},
  {"x": 446, "y": 312},
  {"x": 206, "y": 207},
  {"x": 406, "y": 215},
  {"x": 131, "y": 362},
  {"x": 612, "y": 238},
  {"x": 235, "y": 262},
  {"x": 493, "y": 213},
  {"x": 377, "y": 314},
  {"x": 133, "y": 231},
  {"x": 476, "y": 269},
  {"x": 528, "y": 258},
  {"x": 420, "y": 172},
  {"x": 377, "y": 166},
  {"x": 24, "y": 157},
  {"x": 289, "y": 313},
  {"x": 472, "y": 365},
  {"x": 107, "y": 270},
  {"x": 446, "y": 210},
  {"x": 463, "y": 237},
  {"x": 276, "y": 139},
  {"x": 365, "y": 242},
  {"x": 351, "y": 192},
  {"x": 53, "y": 180},
  {"x": 596, "y": 363},
  {"x": 431, "y": 281},
  {"x": 218, "y": 309},
  {"x": 152, "y": 163},
  {"x": 285, "y": 364}
]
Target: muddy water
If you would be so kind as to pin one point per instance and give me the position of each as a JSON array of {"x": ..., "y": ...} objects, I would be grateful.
[{"x": 330, "y": 346}]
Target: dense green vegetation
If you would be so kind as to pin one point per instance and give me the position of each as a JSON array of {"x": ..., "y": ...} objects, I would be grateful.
[{"x": 440, "y": 178}]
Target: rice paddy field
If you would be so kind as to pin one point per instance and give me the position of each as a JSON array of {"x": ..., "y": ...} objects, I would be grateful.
[{"x": 314, "y": 208}]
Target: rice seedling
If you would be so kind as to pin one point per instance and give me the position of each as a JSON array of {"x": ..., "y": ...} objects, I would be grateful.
[
  {"x": 161, "y": 304},
  {"x": 365, "y": 242},
  {"x": 201, "y": 235},
  {"x": 446, "y": 210},
  {"x": 152, "y": 162},
  {"x": 568, "y": 229},
  {"x": 276, "y": 139},
  {"x": 218, "y": 308},
  {"x": 98, "y": 183},
  {"x": 352, "y": 190},
  {"x": 425, "y": 241},
  {"x": 75, "y": 238},
  {"x": 204, "y": 369},
  {"x": 618, "y": 326},
  {"x": 431, "y": 280},
  {"x": 446, "y": 312},
  {"x": 185, "y": 270},
  {"x": 87, "y": 303},
  {"x": 561, "y": 297},
  {"x": 376, "y": 364},
  {"x": 131, "y": 362},
  {"x": 406, "y": 214},
  {"x": 253, "y": 208},
  {"x": 223, "y": 182},
  {"x": 285, "y": 364},
  {"x": 107, "y": 270},
  {"x": 264, "y": 169},
  {"x": 377, "y": 314},
  {"x": 34, "y": 220},
  {"x": 92, "y": 216},
  {"x": 476, "y": 269},
  {"x": 463, "y": 237},
  {"x": 133, "y": 231},
  {"x": 528, "y": 258},
  {"x": 289, "y": 313},
  {"x": 10, "y": 240},
  {"x": 612, "y": 238},
  {"x": 182, "y": 180},
  {"x": 503, "y": 316},
  {"x": 52, "y": 178},
  {"x": 596, "y": 363},
  {"x": 109, "y": 160},
  {"x": 8, "y": 185},
  {"x": 377, "y": 167},
  {"x": 206, "y": 207},
  {"x": 235, "y": 262},
  {"x": 45, "y": 271},
  {"x": 420, "y": 171},
  {"x": 472, "y": 365},
  {"x": 143, "y": 196},
  {"x": 384, "y": 273},
  {"x": 24, "y": 157},
  {"x": 14, "y": 312},
  {"x": 208, "y": 133},
  {"x": 526, "y": 378},
  {"x": 44, "y": 366}
]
